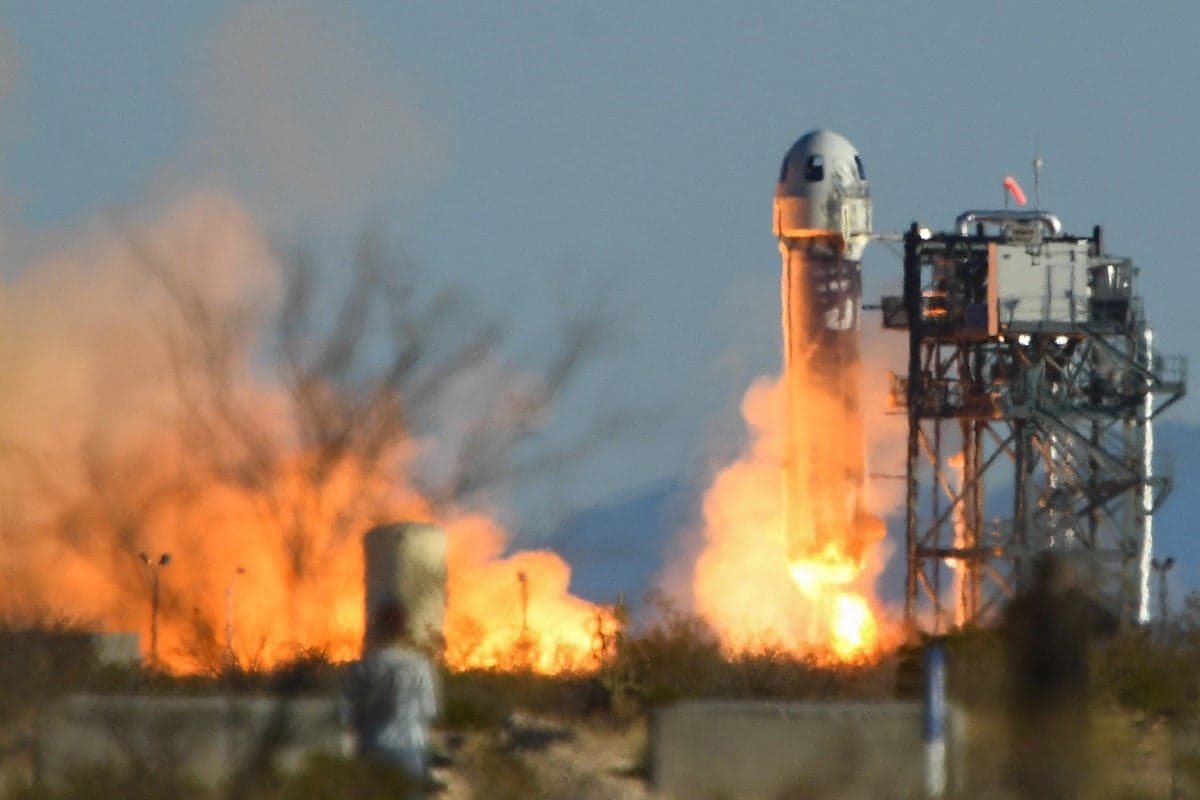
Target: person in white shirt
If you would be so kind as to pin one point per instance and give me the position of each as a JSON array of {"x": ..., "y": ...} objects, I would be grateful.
[{"x": 390, "y": 696}]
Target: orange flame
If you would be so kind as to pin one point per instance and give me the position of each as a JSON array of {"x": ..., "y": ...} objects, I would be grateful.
[
  {"x": 230, "y": 578},
  {"x": 853, "y": 630},
  {"x": 747, "y": 584},
  {"x": 515, "y": 612},
  {"x": 791, "y": 551},
  {"x": 264, "y": 536}
]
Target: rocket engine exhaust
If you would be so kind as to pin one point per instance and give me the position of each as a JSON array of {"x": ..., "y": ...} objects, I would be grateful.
[{"x": 790, "y": 565}]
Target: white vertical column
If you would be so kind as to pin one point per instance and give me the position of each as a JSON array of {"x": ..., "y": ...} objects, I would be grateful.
[
  {"x": 1147, "y": 498},
  {"x": 934, "y": 732}
]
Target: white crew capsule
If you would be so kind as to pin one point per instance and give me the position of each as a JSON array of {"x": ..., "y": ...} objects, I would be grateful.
[{"x": 823, "y": 191}]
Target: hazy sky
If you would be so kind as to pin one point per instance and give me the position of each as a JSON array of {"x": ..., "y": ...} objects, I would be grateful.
[{"x": 534, "y": 149}]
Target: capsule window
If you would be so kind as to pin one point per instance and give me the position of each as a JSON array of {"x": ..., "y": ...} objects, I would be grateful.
[
  {"x": 862, "y": 173},
  {"x": 814, "y": 169}
]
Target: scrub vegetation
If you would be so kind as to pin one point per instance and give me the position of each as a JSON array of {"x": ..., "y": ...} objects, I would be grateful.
[{"x": 496, "y": 726}]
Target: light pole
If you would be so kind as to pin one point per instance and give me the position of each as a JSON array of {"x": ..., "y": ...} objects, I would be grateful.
[
  {"x": 523, "y": 579},
  {"x": 1162, "y": 568},
  {"x": 154, "y": 567}
]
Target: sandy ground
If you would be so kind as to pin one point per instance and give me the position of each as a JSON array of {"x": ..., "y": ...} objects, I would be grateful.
[
  {"x": 539, "y": 758},
  {"x": 16, "y": 753}
]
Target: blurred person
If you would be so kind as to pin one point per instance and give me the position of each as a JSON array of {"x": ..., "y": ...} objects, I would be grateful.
[
  {"x": 1049, "y": 627},
  {"x": 390, "y": 696}
]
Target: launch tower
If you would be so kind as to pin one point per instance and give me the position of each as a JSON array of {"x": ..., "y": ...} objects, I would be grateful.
[{"x": 1032, "y": 388}]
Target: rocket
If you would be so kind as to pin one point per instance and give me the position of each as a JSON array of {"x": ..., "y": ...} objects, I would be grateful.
[{"x": 822, "y": 219}]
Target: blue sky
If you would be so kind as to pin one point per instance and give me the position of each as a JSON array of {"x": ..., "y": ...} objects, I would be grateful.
[{"x": 627, "y": 149}]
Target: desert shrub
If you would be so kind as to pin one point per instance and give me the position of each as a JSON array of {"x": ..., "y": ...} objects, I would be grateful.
[
  {"x": 322, "y": 777},
  {"x": 503, "y": 775},
  {"x": 326, "y": 777},
  {"x": 976, "y": 664},
  {"x": 109, "y": 783},
  {"x": 308, "y": 672},
  {"x": 1152, "y": 674},
  {"x": 679, "y": 658},
  {"x": 476, "y": 699}
]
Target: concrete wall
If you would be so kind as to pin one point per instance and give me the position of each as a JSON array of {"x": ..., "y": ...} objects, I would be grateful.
[
  {"x": 406, "y": 563},
  {"x": 748, "y": 750},
  {"x": 117, "y": 649},
  {"x": 51, "y": 647},
  {"x": 211, "y": 739}
]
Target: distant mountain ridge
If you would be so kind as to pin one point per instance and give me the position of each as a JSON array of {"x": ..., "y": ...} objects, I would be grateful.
[{"x": 618, "y": 548}]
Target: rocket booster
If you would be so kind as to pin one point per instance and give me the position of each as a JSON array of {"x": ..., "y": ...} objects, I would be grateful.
[{"x": 822, "y": 218}]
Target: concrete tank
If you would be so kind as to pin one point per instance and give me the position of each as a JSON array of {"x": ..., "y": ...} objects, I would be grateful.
[{"x": 405, "y": 563}]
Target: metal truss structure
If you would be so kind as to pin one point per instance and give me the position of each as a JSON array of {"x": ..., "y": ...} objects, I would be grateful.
[{"x": 1033, "y": 383}]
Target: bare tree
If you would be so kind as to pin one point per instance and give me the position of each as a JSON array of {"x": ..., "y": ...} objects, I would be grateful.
[
  {"x": 306, "y": 405},
  {"x": 365, "y": 368}
]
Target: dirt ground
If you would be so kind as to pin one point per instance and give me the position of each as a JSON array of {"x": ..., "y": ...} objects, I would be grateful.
[{"x": 531, "y": 757}]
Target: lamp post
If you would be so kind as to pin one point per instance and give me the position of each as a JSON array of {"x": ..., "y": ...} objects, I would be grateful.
[
  {"x": 1162, "y": 568},
  {"x": 154, "y": 566},
  {"x": 523, "y": 580}
]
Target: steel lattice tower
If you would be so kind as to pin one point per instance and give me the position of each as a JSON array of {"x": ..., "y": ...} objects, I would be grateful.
[{"x": 1033, "y": 383}]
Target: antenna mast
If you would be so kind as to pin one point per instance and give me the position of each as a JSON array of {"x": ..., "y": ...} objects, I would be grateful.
[{"x": 1038, "y": 163}]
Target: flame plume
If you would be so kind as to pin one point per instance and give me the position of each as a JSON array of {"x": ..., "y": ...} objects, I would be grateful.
[
  {"x": 138, "y": 414},
  {"x": 790, "y": 552}
]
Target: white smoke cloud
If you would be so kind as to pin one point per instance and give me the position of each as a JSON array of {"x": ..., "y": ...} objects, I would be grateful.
[
  {"x": 82, "y": 346},
  {"x": 884, "y": 423},
  {"x": 294, "y": 112}
]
